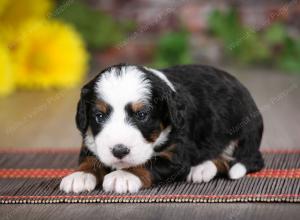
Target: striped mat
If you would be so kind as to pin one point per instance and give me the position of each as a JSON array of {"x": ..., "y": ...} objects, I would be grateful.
[{"x": 33, "y": 176}]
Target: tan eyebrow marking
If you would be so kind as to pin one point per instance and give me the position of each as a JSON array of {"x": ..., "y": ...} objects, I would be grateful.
[
  {"x": 137, "y": 106},
  {"x": 102, "y": 106}
]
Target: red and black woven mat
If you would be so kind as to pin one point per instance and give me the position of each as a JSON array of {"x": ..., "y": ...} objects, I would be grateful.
[{"x": 33, "y": 176}]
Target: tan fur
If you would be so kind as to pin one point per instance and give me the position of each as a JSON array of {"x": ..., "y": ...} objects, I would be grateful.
[
  {"x": 92, "y": 165},
  {"x": 222, "y": 165},
  {"x": 168, "y": 153},
  {"x": 143, "y": 174},
  {"x": 102, "y": 106},
  {"x": 137, "y": 106},
  {"x": 155, "y": 134}
]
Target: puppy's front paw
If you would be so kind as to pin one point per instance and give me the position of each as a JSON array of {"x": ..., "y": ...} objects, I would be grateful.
[
  {"x": 121, "y": 181},
  {"x": 78, "y": 182},
  {"x": 203, "y": 172}
]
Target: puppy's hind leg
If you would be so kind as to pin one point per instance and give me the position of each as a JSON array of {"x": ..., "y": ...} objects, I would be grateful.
[
  {"x": 238, "y": 158},
  {"x": 207, "y": 170},
  {"x": 247, "y": 158}
]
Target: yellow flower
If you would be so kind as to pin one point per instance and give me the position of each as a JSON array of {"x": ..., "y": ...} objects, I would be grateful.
[
  {"x": 14, "y": 13},
  {"x": 50, "y": 55},
  {"x": 6, "y": 73},
  {"x": 3, "y": 4}
]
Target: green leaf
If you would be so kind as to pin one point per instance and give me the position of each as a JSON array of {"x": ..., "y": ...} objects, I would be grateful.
[
  {"x": 275, "y": 34},
  {"x": 98, "y": 29},
  {"x": 172, "y": 49}
]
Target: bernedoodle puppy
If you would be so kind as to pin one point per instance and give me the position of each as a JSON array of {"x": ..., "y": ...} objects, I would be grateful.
[{"x": 142, "y": 127}]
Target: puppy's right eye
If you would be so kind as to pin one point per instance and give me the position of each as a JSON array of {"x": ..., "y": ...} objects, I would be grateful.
[
  {"x": 100, "y": 117},
  {"x": 141, "y": 115}
]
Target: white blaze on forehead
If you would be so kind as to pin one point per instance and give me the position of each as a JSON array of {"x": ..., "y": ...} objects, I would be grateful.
[
  {"x": 120, "y": 88},
  {"x": 162, "y": 77}
]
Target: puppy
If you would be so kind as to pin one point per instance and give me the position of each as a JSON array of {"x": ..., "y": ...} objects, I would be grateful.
[{"x": 142, "y": 127}]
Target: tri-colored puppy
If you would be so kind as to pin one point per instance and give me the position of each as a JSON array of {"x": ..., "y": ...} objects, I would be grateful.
[{"x": 141, "y": 127}]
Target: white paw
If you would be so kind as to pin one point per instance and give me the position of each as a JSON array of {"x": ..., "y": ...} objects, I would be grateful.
[
  {"x": 203, "y": 172},
  {"x": 121, "y": 181},
  {"x": 237, "y": 171},
  {"x": 78, "y": 182}
]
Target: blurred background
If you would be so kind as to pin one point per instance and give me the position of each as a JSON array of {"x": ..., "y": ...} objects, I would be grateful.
[{"x": 49, "y": 49}]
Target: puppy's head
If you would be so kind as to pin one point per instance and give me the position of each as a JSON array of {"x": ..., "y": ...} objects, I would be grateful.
[{"x": 125, "y": 113}]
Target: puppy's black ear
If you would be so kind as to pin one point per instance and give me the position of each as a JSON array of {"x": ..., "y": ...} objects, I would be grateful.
[
  {"x": 176, "y": 109},
  {"x": 82, "y": 111}
]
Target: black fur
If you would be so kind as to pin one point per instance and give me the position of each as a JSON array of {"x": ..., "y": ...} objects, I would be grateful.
[{"x": 209, "y": 109}]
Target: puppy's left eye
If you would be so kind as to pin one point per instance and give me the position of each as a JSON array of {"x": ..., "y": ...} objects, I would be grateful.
[
  {"x": 141, "y": 115},
  {"x": 100, "y": 117}
]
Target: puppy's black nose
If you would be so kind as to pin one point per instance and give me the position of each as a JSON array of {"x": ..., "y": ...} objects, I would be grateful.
[{"x": 120, "y": 151}]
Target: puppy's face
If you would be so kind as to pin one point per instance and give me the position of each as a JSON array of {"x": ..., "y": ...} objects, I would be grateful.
[{"x": 126, "y": 119}]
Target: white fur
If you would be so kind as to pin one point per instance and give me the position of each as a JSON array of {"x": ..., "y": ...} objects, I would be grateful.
[
  {"x": 237, "y": 171},
  {"x": 162, "y": 77},
  {"x": 203, "y": 172},
  {"x": 118, "y": 91},
  {"x": 78, "y": 182},
  {"x": 90, "y": 141},
  {"x": 121, "y": 182},
  {"x": 163, "y": 136},
  {"x": 228, "y": 152},
  {"x": 129, "y": 86}
]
